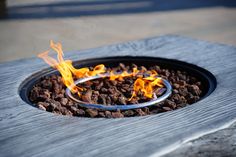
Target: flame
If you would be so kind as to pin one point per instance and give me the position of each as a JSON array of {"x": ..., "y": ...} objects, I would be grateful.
[
  {"x": 142, "y": 84},
  {"x": 66, "y": 68},
  {"x": 146, "y": 84},
  {"x": 120, "y": 76}
]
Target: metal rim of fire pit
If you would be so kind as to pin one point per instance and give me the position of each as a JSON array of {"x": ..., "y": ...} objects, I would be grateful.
[{"x": 154, "y": 101}]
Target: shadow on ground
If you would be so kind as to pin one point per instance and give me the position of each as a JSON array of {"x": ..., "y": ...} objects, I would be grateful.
[{"x": 66, "y": 9}]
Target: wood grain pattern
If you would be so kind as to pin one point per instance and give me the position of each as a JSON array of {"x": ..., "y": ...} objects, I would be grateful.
[
  {"x": 27, "y": 131},
  {"x": 217, "y": 144}
]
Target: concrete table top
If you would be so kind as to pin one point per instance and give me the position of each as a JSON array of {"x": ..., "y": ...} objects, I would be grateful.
[{"x": 27, "y": 131}]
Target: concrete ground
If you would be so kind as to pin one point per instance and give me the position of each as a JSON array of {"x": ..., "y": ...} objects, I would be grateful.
[{"x": 24, "y": 36}]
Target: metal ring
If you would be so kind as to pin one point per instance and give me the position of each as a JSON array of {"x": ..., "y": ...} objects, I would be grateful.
[{"x": 119, "y": 107}]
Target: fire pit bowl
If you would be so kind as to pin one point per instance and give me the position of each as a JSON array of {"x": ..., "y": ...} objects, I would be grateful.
[{"x": 207, "y": 79}]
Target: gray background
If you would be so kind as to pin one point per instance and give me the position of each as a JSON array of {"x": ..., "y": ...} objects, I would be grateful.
[{"x": 82, "y": 24}]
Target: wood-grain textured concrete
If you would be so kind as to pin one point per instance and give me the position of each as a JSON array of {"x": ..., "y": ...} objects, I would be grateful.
[{"x": 27, "y": 131}]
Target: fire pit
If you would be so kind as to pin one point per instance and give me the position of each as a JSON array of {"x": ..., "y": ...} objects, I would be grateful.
[
  {"x": 33, "y": 132},
  {"x": 117, "y": 87}
]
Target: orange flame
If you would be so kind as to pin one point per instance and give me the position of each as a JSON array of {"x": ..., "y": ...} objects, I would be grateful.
[
  {"x": 145, "y": 85},
  {"x": 66, "y": 68}
]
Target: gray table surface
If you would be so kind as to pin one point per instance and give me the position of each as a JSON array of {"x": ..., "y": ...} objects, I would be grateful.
[{"x": 28, "y": 131}]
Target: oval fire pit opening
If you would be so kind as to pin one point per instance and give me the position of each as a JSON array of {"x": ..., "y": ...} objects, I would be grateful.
[{"x": 189, "y": 82}]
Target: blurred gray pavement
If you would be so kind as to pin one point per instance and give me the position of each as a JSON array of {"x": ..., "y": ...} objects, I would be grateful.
[{"x": 27, "y": 30}]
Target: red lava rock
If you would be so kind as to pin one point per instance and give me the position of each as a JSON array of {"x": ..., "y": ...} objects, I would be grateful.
[
  {"x": 49, "y": 93},
  {"x": 170, "y": 104},
  {"x": 140, "y": 112},
  {"x": 101, "y": 114},
  {"x": 192, "y": 99},
  {"x": 44, "y": 104},
  {"x": 146, "y": 110},
  {"x": 128, "y": 113},
  {"x": 68, "y": 113},
  {"x": 99, "y": 86},
  {"x": 175, "y": 91},
  {"x": 122, "y": 100},
  {"x": 42, "y": 107},
  {"x": 117, "y": 114},
  {"x": 64, "y": 101},
  {"x": 182, "y": 83},
  {"x": 183, "y": 91},
  {"x": 108, "y": 114},
  {"x": 122, "y": 66},
  {"x": 54, "y": 105},
  {"x": 166, "y": 108},
  {"x": 57, "y": 112},
  {"x": 87, "y": 96},
  {"x": 194, "y": 89},
  {"x": 92, "y": 113},
  {"x": 102, "y": 99},
  {"x": 73, "y": 109},
  {"x": 176, "y": 86},
  {"x": 80, "y": 112}
]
